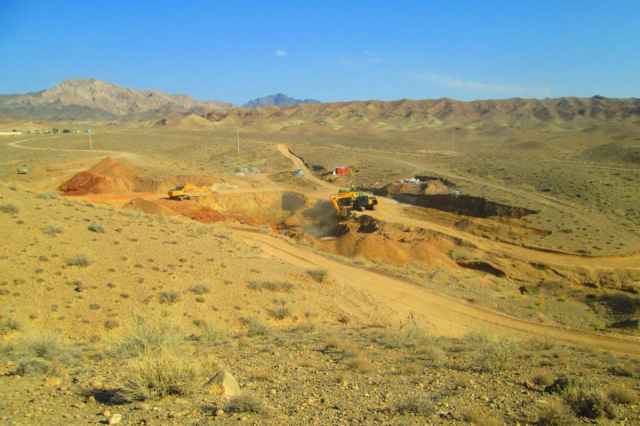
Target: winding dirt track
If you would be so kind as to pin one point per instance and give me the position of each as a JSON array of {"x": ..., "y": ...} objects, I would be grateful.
[
  {"x": 18, "y": 145},
  {"x": 439, "y": 313},
  {"x": 442, "y": 315}
]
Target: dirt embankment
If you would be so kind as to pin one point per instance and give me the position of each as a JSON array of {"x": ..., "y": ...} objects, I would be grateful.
[{"x": 106, "y": 177}]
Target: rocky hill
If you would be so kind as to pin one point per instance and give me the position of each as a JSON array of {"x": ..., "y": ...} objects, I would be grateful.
[
  {"x": 95, "y": 99},
  {"x": 437, "y": 113},
  {"x": 278, "y": 100}
]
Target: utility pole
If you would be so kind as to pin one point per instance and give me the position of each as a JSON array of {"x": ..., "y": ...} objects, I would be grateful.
[{"x": 238, "y": 139}]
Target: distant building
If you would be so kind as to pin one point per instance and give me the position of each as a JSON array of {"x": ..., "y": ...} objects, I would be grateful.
[
  {"x": 10, "y": 132},
  {"x": 341, "y": 171}
]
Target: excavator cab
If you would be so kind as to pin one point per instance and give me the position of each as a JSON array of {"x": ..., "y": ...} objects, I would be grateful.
[{"x": 344, "y": 202}]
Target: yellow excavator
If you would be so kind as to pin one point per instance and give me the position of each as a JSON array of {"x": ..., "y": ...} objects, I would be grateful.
[
  {"x": 345, "y": 202},
  {"x": 188, "y": 191}
]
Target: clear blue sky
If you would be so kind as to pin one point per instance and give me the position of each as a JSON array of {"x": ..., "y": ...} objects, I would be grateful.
[{"x": 329, "y": 50}]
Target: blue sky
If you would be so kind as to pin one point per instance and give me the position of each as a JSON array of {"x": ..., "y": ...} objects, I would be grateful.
[{"x": 329, "y": 50}]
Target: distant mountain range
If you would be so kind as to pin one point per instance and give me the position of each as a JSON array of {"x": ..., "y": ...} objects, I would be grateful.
[
  {"x": 278, "y": 100},
  {"x": 95, "y": 99},
  {"x": 437, "y": 114},
  {"x": 98, "y": 100}
]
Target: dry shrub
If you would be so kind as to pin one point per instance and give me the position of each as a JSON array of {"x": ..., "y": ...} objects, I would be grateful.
[
  {"x": 7, "y": 325},
  {"x": 489, "y": 355},
  {"x": 52, "y": 230},
  {"x": 555, "y": 413},
  {"x": 620, "y": 371},
  {"x": 39, "y": 353},
  {"x": 80, "y": 261},
  {"x": 318, "y": 275},
  {"x": 586, "y": 399},
  {"x": 245, "y": 404},
  {"x": 418, "y": 405},
  {"x": 340, "y": 349},
  {"x": 9, "y": 208},
  {"x": 199, "y": 289},
  {"x": 168, "y": 297},
  {"x": 276, "y": 286},
  {"x": 281, "y": 311},
  {"x": 543, "y": 378},
  {"x": 146, "y": 335},
  {"x": 360, "y": 364},
  {"x": 156, "y": 374},
  {"x": 255, "y": 327},
  {"x": 474, "y": 415},
  {"x": 619, "y": 394}
]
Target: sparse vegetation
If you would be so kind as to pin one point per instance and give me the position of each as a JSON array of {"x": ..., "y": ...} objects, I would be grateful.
[
  {"x": 276, "y": 286},
  {"x": 318, "y": 275},
  {"x": 419, "y": 405},
  {"x": 168, "y": 297},
  {"x": 47, "y": 195},
  {"x": 156, "y": 374},
  {"x": 281, "y": 310},
  {"x": 95, "y": 227},
  {"x": 40, "y": 353},
  {"x": 199, "y": 289},
  {"x": 619, "y": 394},
  {"x": 52, "y": 230},
  {"x": 245, "y": 404},
  {"x": 475, "y": 416},
  {"x": 255, "y": 327},
  {"x": 80, "y": 261},
  {"x": 145, "y": 336},
  {"x": 555, "y": 413},
  {"x": 8, "y": 325},
  {"x": 9, "y": 208},
  {"x": 588, "y": 400}
]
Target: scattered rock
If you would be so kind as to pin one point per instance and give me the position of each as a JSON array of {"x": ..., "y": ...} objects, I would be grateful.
[
  {"x": 115, "y": 419},
  {"x": 223, "y": 383}
]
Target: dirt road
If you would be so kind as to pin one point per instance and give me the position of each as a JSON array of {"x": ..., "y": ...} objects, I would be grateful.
[
  {"x": 393, "y": 212},
  {"x": 19, "y": 145},
  {"x": 440, "y": 314}
]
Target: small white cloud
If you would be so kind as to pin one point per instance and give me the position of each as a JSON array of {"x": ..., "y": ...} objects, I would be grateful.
[{"x": 281, "y": 53}]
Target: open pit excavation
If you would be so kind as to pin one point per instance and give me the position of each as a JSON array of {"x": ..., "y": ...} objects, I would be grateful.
[
  {"x": 385, "y": 236},
  {"x": 285, "y": 248}
]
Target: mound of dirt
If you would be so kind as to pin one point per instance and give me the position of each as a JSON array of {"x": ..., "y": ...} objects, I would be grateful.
[
  {"x": 186, "y": 122},
  {"x": 383, "y": 243},
  {"x": 149, "y": 207},
  {"x": 108, "y": 176}
]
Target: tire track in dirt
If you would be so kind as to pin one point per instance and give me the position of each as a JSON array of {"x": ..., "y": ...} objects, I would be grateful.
[
  {"x": 18, "y": 145},
  {"x": 443, "y": 315}
]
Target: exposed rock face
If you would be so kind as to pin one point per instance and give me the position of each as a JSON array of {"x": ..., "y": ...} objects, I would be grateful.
[
  {"x": 95, "y": 98},
  {"x": 439, "y": 113},
  {"x": 223, "y": 383}
]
